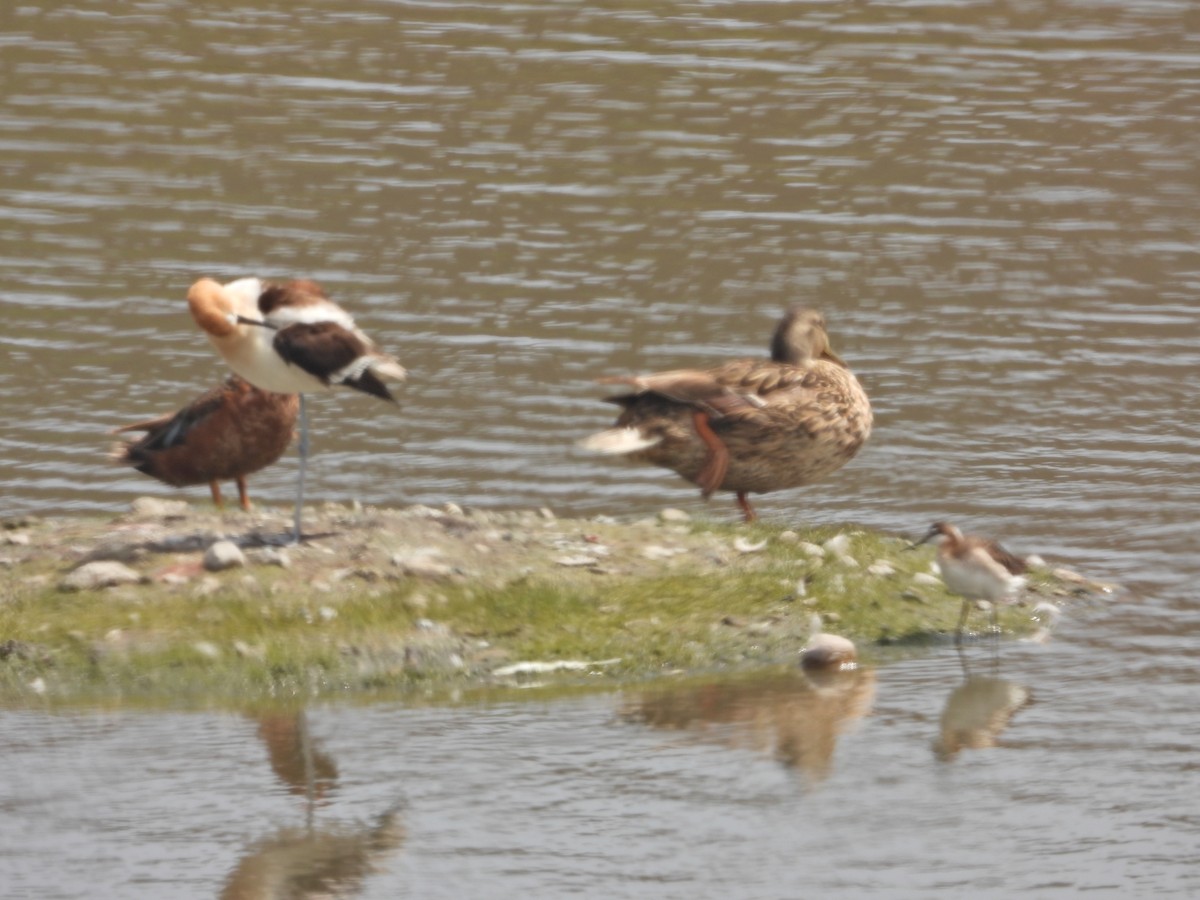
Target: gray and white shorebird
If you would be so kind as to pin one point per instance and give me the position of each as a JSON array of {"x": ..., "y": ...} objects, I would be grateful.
[
  {"x": 290, "y": 338},
  {"x": 975, "y": 568}
]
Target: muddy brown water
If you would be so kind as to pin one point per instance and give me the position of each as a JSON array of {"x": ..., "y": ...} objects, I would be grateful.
[{"x": 994, "y": 203}]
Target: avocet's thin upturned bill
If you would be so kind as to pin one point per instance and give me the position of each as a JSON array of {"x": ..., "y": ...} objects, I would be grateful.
[
  {"x": 228, "y": 432},
  {"x": 749, "y": 426},
  {"x": 975, "y": 568},
  {"x": 290, "y": 338}
]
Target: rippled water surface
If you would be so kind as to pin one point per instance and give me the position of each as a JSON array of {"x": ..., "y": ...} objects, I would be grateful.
[{"x": 994, "y": 203}]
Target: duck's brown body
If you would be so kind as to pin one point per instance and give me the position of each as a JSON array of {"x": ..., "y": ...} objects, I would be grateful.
[
  {"x": 748, "y": 426},
  {"x": 226, "y": 433},
  {"x": 813, "y": 420}
]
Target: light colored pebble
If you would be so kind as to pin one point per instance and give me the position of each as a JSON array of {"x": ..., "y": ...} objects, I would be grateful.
[
  {"x": 101, "y": 573},
  {"x": 656, "y": 551},
  {"x": 158, "y": 508},
  {"x": 223, "y": 555},
  {"x": 926, "y": 580},
  {"x": 207, "y": 649},
  {"x": 881, "y": 569},
  {"x": 837, "y": 545},
  {"x": 816, "y": 551},
  {"x": 670, "y": 514},
  {"x": 576, "y": 561},
  {"x": 741, "y": 545}
]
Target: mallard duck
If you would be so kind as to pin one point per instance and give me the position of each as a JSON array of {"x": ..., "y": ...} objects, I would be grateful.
[
  {"x": 290, "y": 337},
  {"x": 228, "y": 432},
  {"x": 748, "y": 426},
  {"x": 975, "y": 568}
]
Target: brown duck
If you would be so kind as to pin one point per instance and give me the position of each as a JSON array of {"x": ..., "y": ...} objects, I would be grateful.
[
  {"x": 748, "y": 426},
  {"x": 225, "y": 433}
]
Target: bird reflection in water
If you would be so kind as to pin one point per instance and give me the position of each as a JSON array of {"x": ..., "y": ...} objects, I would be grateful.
[
  {"x": 795, "y": 718},
  {"x": 299, "y": 862},
  {"x": 978, "y": 711}
]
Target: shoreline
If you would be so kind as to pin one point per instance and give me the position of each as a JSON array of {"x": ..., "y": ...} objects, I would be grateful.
[{"x": 180, "y": 604}]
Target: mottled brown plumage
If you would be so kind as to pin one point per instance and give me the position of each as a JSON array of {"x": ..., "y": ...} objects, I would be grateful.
[
  {"x": 748, "y": 426},
  {"x": 225, "y": 433}
]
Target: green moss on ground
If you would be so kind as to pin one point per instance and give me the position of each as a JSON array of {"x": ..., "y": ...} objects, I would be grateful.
[{"x": 665, "y": 597}]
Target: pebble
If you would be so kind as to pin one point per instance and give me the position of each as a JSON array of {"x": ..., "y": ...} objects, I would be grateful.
[
  {"x": 828, "y": 652},
  {"x": 207, "y": 586},
  {"x": 223, "y": 555},
  {"x": 837, "y": 545},
  {"x": 673, "y": 515},
  {"x": 207, "y": 649},
  {"x": 741, "y": 545},
  {"x": 575, "y": 561},
  {"x": 99, "y": 574},
  {"x": 421, "y": 564},
  {"x": 246, "y": 651},
  {"x": 157, "y": 508},
  {"x": 656, "y": 551},
  {"x": 881, "y": 569},
  {"x": 271, "y": 556},
  {"x": 816, "y": 551},
  {"x": 788, "y": 537},
  {"x": 17, "y": 539},
  {"x": 1035, "y": 562},
  {"x": 927, "y": 580}
]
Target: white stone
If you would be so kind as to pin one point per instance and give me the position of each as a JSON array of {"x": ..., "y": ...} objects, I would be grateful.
[
  {"x": 223, "y": 555},
  {"x": 656, "y": 551},
  {"x": 207, "y": 649},
  {"x": 741, "y": 545},
  {"x": 99, "y": 574},
  {"x": 837, "y": 545},
  {"x": 157, "y": 508},
  {"x": 673, "y": 515}
]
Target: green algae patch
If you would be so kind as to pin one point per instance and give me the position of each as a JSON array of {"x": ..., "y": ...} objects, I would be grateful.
[{"x": 423, "y": 600}]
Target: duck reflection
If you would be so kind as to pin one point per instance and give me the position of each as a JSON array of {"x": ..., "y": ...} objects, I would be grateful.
[
  {"x": 302, "y": 767},
  {"x": 298, "y": 862},
  {"x": 795, "y": 718},
  {"x": 977, "y": 712}
]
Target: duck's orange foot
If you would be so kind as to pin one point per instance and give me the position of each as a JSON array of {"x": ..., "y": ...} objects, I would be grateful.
[{"x": 743, "y": 503}]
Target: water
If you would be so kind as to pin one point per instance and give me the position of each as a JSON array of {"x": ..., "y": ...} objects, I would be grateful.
[{"x": 994, "y": 204}]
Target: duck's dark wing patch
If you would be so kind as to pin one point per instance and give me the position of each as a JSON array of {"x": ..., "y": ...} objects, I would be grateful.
[
  {"x": 300, "y": 292},
  {"x": 331, "y": 353}
]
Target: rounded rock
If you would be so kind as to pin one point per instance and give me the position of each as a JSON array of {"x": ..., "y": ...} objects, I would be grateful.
[
  {"x": 223, "y": 555},
  {"x": 99, "y": 574}
]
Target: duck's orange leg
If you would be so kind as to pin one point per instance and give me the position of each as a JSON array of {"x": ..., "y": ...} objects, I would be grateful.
[
  {"x": 243, "y": 493},
  {"x": 743, "y": 503},
  {"x": 215, "y": 487},
  {"x": 717, "y": 464}
]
